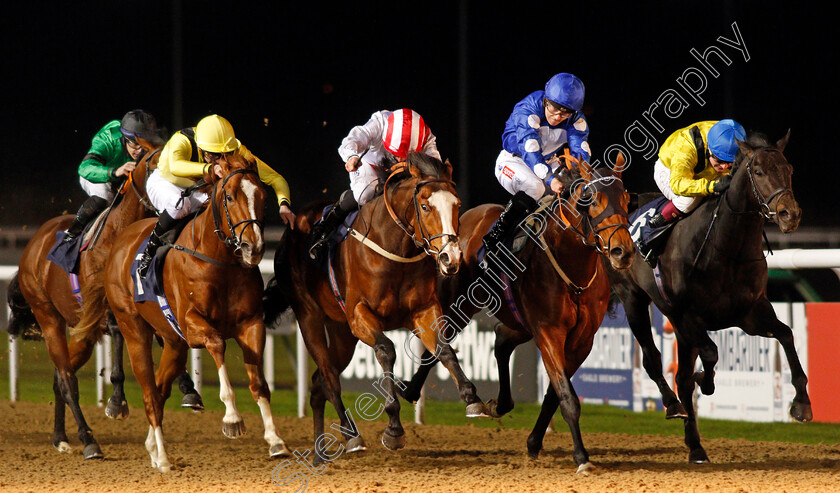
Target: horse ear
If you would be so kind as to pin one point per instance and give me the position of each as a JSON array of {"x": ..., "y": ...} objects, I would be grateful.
[
  {"x": 620, "y": 161},
  {"x": 782, "y": 143},
  {"x": 448, "y": 167},
  {"x": 414, "y": 170},
  {"x": 746, "y": 149}
]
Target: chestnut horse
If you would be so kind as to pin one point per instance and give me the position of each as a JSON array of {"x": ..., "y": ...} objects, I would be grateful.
[
  {"x": 214, "y": 289},
  {"x": 714, "y": 276},
  {"x": 384, "y": 279},
  {"x": 45, "y": 289},
  {"x": 555, "y": 290}
]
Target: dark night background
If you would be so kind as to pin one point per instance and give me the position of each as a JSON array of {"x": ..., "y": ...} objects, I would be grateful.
[{"x": 294, "y": 78}]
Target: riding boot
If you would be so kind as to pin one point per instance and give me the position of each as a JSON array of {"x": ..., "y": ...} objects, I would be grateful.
[
  {"x": 323, "y": 230},
  {"x": 669, "y": 214},
  {"x": 164, "y": 224},
  {"x": 515, "y": 211},
  {"x": 89, "y": 210}
]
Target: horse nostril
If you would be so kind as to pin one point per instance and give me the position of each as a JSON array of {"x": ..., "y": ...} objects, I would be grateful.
[
  {"x": 444, "y": 259},
  {"x": 617, "y": 252}
]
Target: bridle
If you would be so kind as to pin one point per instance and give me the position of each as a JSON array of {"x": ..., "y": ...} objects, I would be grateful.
[
  {"x": 425, "y": 241},
  {"x": 593, "y": 224},
  {"x": 233, "y": 240},
  {"x": 764, "y": 204}
]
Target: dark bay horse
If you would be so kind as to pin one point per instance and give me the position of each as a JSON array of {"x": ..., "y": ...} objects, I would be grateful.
[
  {"x": 557, "y": 290},
  {"x": 214, "y": 288},
  {"x": 44, "y": 288},
  {"x": 714, "y": 276},
  {"x": 384, "y": 279}
]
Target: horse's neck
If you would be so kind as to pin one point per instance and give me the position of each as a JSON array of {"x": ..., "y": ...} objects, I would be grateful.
[
  {"x": 200, "y": 235},
  {"x": 384, "y": 229},
  {"x": 571, "y": 253},
  {"x": 740, "y": 225}
]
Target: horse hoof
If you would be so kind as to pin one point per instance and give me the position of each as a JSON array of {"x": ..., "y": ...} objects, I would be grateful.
[
  {"x": 801, "y": 412},
  {"x": 585, "y": 469},
  {"x": 707, "y": 385},
  {"x": 496, "y": 410},
  {"x": 676, "y": 410},
  {"x": 534, "y": 454},
  {"x": 164, "y": 468},
  {"x": 392, "y": 442},
  {"x": 192, "y": 401},
  {"x": 233, "y": 430},
  {"x": 63, "y": 447},
  {"x": 278, "y": 450},
  {"x": 116, "y": 409},
  {"x": 477, "y": 410},
  {"x": 356, "y": 444},
  {"x": 92, "y": 451},
  {"x": 698, "y": 456}
]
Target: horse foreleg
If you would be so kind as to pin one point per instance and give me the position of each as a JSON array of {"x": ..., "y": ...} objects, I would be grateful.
[
  {"x": 554, "y": 362},
  {"x": 410, "y": 391},
  {"x": 232, "y": 424},
  {"x": 252, "y": 342},
  {"x": 507, "y": 340},
  {"x": 117, "y": 407},
  {"x": 708, "y": 352},
  {"x": 638, "y": 317},
  {"x": 171, "y": 364},
  {"x": 763, "y": 322},
  {"x": 685, "y": 387},
  {"x": 435, "y": 342}
]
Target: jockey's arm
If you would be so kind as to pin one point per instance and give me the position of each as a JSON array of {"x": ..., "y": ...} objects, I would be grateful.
[
  {"x": 178, "y": 152},
  {"x": 362, "y": 137},
  {"x": 683, "y": 181},
  {"x": 103, "y": 150},
  {"x": 577, "y": 134},
  {"x": 270, "y": 177}
]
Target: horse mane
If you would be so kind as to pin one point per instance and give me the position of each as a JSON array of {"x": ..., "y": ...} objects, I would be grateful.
[{"x": 429, "y": 167}]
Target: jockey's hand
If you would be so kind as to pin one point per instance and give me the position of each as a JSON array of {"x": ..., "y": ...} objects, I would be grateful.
[
  {"x": 556, "y": 185},
  {"x": 352, "y": 164},
  {"x": 721, "y": 184},
  {"x": 125, "y": 169},
  {"x": 287, "y": 216}
]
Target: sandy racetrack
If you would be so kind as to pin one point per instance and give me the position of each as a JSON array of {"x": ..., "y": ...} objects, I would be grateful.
[{"x": 437, "y": 458}]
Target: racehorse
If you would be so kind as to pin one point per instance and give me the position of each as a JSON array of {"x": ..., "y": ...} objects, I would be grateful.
[
  {"x": 214, "y": 289},
  {"x": 383, "y": 279},
  {"x": 43, "y": 289},
  {"x": 714, "y": 275},
  {"x": 555, "y": 288}
]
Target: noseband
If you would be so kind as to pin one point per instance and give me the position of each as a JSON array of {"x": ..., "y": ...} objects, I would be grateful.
[
  {"x": 233, "y": 240},
  {"x": 425, "y": 241}
]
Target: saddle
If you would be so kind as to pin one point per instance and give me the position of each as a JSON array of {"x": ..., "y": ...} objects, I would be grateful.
[
  {"x": 152, "y": 286},
  {"x": 66, "y": 255},
  {"x": 650, "y": 241}
]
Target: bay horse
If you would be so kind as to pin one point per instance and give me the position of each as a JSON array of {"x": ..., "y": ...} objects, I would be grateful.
[
  {"x": 714, "y": 276},
  {"x": 555, "y": 288},
  {"x": 43, "y": 289},
  {"x": 214, "y": 288},
  {"x": 384, "y": 279}
]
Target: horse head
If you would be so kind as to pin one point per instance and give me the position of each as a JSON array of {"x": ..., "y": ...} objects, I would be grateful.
[
  {"x": 763, "y": 173},
  {"x": 238, "y": 203},
  {"x": 430, "y": 209},
  {"x": 601, "y": 197}
]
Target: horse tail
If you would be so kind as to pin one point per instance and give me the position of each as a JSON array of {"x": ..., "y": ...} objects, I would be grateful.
[
  {"x": 92, "y": 311},
  {"x": 274, "y": 303},
  {"x": 22, "y": 321}
]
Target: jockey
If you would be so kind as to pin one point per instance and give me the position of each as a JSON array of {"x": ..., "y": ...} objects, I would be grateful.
[
  {"x": 539, "y": 126},
  {"x": 113, "y": 154},
  {"x": 368, "y": 151},
  {"x": 694, "y": 162},
  {"x": 182, "y": 163}
]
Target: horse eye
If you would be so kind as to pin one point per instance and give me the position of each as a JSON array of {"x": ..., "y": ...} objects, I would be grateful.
[
  {"x": 758, "y": 172},
  {"x": 229, "y": 197},
  {"x": 424, "y": 207}
]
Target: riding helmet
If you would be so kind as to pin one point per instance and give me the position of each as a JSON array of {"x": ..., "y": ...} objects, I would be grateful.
[
  {"x": 722, "y": 139},
  {"x": 565, "y": 90},
  {"x": 405, "y": 131},
  {"x": 138, "y": 123},
  {"x": 215, "y": 134}
]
